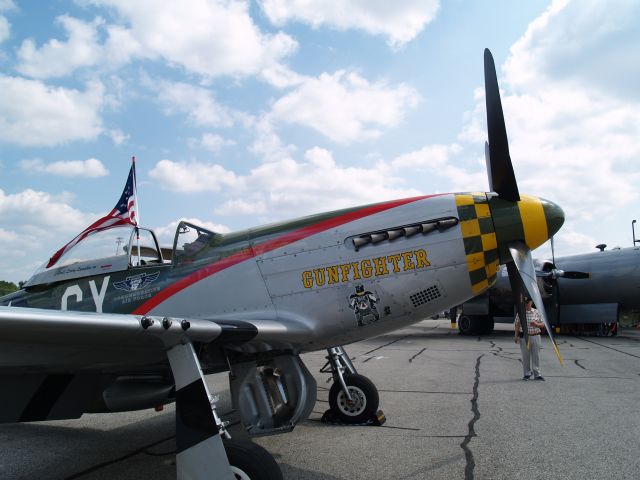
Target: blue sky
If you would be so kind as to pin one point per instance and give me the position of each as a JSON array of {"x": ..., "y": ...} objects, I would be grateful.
[{"x": 241, "y": 113}]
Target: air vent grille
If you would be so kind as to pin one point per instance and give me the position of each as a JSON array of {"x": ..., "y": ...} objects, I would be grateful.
[
  {"x": 428, "y": 226},
  {"x": 425, "y": 296}
]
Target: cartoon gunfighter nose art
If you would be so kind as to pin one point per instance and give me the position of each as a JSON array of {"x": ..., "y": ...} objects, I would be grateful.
[{"x": 363, "y": 303}]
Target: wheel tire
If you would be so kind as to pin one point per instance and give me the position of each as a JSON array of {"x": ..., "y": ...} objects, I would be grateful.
[
  {"x": 467, "y": 325},
  {"x": 250, "y": 461},
  {"x": 487, "y": 325},
  {"x": 365, "y": 395}
]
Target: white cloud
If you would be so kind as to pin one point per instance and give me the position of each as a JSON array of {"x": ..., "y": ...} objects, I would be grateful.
[
  {"x": 436, "y": 160},
  {"x": 118, "y": 137},
  {"x": 207, "y": 37},
  {"x": 34, "y": 211},
  {"x": 56, "y": 58},
  {"x": 122, "y": 46},
  {"x": 37, "y": 224},
  {"x": 214, "y": 142},
  {"x": 90, "y": 168},
  {"x": 344, "y": 106},
  {"x": 287, "y": 187},
  {"x": 239, "y": 206},
  {"x": 281, "y": 76},
  {"x": 198, "y": 103},
  {"x": 192, "y": 176},
  {"x": 572, "y": 118},
  {"x": 431, "y": 157},
  {"x": 5, "y": 28},
  {"x": 586, "y": 43},
  {"x": 35, "y": 114},
  {"x": 400, "y": 22},
  {"x": 7, "y": 5},
  {"x": 7, "y": 236},
  {"x": 267, "y": 142}
]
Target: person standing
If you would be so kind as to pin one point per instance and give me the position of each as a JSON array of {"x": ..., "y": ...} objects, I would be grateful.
[{"x": 530, "y": 354}]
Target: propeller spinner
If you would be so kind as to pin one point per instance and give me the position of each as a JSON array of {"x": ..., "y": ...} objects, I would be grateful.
[{"x": 522, "y": 222}]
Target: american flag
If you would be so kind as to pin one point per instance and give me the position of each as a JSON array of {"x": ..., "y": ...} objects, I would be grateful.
[{"x": 123, "y": 214}]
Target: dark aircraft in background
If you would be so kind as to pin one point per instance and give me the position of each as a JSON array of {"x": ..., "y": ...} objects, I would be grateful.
[
  {"x": 581, "y": 293},
  {"x": 136, "y": 330}
]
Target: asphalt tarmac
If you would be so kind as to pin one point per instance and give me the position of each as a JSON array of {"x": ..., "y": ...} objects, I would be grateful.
[{"x": 456, "y": 408}]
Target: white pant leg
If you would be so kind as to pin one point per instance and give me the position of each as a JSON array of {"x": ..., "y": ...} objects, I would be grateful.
[
  {"x": 526, "y": 358},
  {"x": 536, "y": 344}
]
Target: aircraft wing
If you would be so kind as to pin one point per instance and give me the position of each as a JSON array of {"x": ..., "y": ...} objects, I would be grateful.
[
  {"x": 56, "y": 363},
  {"x": 55, "y": 340}
]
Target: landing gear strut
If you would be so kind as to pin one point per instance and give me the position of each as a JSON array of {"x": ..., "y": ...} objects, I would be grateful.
[
  {"x": 353, "y": 398},
  {"x": 204, "y": 447}
]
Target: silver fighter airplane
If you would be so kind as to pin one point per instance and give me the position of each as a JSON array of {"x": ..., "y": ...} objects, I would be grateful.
[{"x": 141, "y": 329}]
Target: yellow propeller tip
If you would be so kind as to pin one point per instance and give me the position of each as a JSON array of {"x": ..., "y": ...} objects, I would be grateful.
[{"x": 555, "y": 347}]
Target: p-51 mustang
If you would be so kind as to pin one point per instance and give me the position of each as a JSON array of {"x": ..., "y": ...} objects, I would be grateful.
[{"x": 141, "y": 328}]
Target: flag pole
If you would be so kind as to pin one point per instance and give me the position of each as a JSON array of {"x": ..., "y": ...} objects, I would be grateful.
[{"x": 135, "y": 199}]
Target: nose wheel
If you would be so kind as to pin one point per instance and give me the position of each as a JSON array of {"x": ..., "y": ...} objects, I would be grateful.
[
  {"x": 353, "y": 398},
  {"x": 364, "y": 401}
]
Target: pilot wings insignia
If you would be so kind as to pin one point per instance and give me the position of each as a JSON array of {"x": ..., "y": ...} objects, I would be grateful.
[{"x": 136, "y": 282}]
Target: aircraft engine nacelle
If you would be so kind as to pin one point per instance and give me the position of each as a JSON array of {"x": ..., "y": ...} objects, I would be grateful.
[
  {"x": 272, "y": 395},
  {"x": 126, "y": 394}
]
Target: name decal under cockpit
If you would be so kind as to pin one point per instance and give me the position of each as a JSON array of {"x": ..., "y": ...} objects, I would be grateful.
[{"x": 367, "y": 268}]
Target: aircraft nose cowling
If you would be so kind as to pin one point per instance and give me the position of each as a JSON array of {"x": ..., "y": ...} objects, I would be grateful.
[
  {"x": 532, "y": 220},
  {"x": 554, "y": 215}
]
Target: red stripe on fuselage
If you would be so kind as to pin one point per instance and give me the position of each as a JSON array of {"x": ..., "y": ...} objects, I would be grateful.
[{"x": 269, "y": 245}]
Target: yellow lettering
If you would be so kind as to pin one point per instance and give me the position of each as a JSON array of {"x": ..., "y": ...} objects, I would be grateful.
[
  {"x": 344, "y": 270},
  {"x": 356, "y": 270},
  {"x": 307, "y": 279},
  {"x": 407, "y": 263},
  {"x": 334, "y": 274},
  {"x": 381, "y": 266},
  {"x": 394, "y": 259},
  {"x": 367, "y": 269},
  {"x": 320, "y": 276},
  {"x": 421, "y": 259}
]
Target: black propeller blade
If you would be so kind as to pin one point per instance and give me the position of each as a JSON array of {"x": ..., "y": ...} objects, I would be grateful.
[
  {"x": 502, "y": 180},
  {"x": 569, "y": 274},
  {"x": 555, "y": 273},
  {"x": 575, "y": 275},
  {"x": 522, "y": 274}
]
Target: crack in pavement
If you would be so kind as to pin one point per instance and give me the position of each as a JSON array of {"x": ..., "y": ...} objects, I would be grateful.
[
  {"x": 576, "y": 361},
  {"x": 610, "y": 348},
  {"x": 412, "y": 358},
  {"x": 385, "y": 345},
  {"x": 504, "y": 355},
  {"x": 468, "y": 454}
]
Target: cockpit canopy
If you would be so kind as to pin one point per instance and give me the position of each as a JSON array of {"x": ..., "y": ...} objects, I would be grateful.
[
  {"x": 190, "y": 242},
  {"x": 122, "y": 249}
]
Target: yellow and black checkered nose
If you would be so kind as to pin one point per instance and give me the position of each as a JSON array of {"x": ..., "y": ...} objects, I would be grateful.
[
  {"x": 531, "y": 220},
  {"x": 489, "y": 224},
  {"x": 479, "y": 237}
]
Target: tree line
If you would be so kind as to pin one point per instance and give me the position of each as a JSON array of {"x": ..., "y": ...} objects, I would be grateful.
[{"x": 9, "y": 287}]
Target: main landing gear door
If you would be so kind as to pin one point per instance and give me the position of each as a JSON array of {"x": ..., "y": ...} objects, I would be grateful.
[{"x": 272, "y": 396}]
